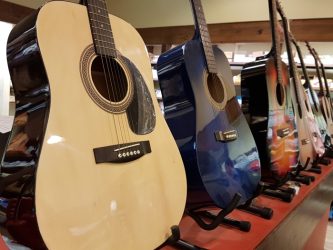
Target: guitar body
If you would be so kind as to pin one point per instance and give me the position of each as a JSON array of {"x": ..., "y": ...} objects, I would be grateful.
[
  {"x": 82, "y": 204},
  {"x": 321, "y": 136},
  {"x": 272, "y": 123},
  {"x": 319, "y": 118},
  {"x": 215, "y": 170},
  {"x": 305, "y": 126},
  {"x": 326, "y": 111},
  {"x": 311, "y": 122}
]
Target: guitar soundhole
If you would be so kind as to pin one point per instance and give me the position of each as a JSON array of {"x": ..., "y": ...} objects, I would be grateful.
[
  {"x": 215, "y": 88},
  {"x": 109, "y": 79},
  {"x": 280, "y": 94}
]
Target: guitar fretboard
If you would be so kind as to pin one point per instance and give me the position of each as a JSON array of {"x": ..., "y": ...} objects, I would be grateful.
[
  {"x": 201, "y": 28},
  {"x": 323, "y": 73},
  {"x": 307, "y": 84},
  {"x": 292, "y": 65},
  {"x": 101, "y": 28},
  {"x": 276, "y": 38},
  {"x": 321, "y": 87}
]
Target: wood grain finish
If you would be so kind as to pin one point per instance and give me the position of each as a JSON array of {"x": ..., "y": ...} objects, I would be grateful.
[
  {"x": 317, "y": 30},
  {"x": 13, "y": 13}
]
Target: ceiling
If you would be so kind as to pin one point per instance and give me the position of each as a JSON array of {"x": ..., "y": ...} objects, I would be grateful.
[{"x": 159, "y": 13}]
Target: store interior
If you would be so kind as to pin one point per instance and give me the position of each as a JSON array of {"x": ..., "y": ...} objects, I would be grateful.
[{"x": 242, "y": 31}]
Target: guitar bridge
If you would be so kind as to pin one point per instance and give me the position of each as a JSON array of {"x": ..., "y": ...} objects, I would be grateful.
[
  {"x": 305, "y": 141},
  {"x": 283, "y": 132},
  {"x": 121, "y": 153},
  {"x": 226, "y": 136}
]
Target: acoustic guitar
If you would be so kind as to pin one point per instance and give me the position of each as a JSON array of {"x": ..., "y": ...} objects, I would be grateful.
[
  {"x": 304, "y": 118},
  {"x": 108, "y": 174},
  {"x": 266, "y": 102},
  {"x": 201, "y": 109},
  {"x": 315, "y": 118},
  {"x": 328, "y": 96},
  {"x": 324, "y": 99}
]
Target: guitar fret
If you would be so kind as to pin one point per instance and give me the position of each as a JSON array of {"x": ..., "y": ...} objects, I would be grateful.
[
  {"x": 103, "y": 41},
  {"x": 109, "y": 48},
  {"x": 201, "y": 27},
  {"x": 99, "y": 15},
  {"x": 103, "y": 35},
  {"x": 101, "y": 27}
]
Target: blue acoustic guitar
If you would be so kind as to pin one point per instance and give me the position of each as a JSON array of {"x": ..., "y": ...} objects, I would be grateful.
[{"x": 201, "y": 109}]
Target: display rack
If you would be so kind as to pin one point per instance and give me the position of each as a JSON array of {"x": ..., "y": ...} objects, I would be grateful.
[{"x": 299, "y": 223}]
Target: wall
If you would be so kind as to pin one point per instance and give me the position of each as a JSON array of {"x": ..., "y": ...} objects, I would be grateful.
[
  {"x": 158, "y": 13},
  {"x": 4, "y": 74}
]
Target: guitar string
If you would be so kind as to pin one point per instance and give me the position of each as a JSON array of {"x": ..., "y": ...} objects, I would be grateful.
[
  {"x": 324, "y": 107},
  {"x": 319, "y": 99},
  {"x": 306, "y": 76},
  {"x": 329, "y": 100},
  {"x": 95, "y": 33},
  {"x": 323, "y": 97},
  {"x": 308, "y": 102},
  {"x": 113, "y": 66},
  {"x": 301, "y": 97},
  {"x": 313, "y": 97},
  {"x": 91, "y": 14},
  {"x": 199, "y": 14},
  {"x": 122, "y": 82},
  {"x": 115, "y": 72},
  {"x": 106, "y": 70}
]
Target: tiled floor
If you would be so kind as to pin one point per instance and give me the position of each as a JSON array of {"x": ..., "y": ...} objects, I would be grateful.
[{"x": 329, "y": 237}]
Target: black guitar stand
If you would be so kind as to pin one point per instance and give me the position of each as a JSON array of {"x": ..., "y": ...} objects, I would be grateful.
[
  {"x": 175, "y": 241},
  {"x": 264, "y": 212},
  {"x": 329, "y": 152},
  {"x": 304, "y": 179},
  {"x": 323, "y": 160},
  {"x": 277, "y": 190},
  {"x": 199, "y": 216},
  {"x": 320, "y": 160}
]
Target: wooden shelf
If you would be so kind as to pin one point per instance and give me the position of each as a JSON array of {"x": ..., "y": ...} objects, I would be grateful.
[{"x": 296, "y": 225}]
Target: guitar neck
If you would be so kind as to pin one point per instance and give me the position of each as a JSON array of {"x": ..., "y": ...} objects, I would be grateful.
[
  {"x": 276, "y": 46},
  {"x": 201, "y": 31},
  {"x": 323, "y": 74},
  {"x": 307, "y": 83},
  {"x": 101, "y": 28},
  {"x": 321, "y": 87},
  {"x": 292, "y": 66}
]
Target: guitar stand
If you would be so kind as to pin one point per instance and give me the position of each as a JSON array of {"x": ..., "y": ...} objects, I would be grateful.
[
  {"x": 198, "y": 215},
  {"x": 329, "y": 152},
  {"x": 264, "y": 212},
  {"x": 324, "y": 161},
  {"x": 175, "y": 241},
  {"x": 277, "y": 191},
  {"x": 315, "y": 170},
  {"x": 304, "y": 179}
]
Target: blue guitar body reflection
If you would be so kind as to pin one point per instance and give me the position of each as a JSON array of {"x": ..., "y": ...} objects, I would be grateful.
[{"x": 216, "y": 169}]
